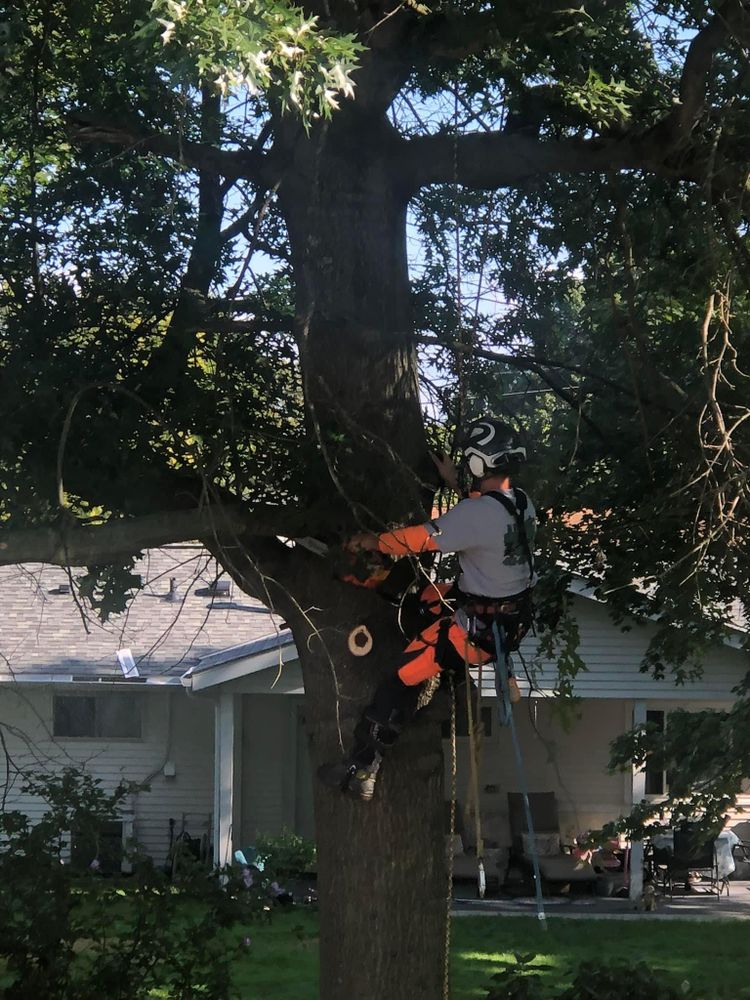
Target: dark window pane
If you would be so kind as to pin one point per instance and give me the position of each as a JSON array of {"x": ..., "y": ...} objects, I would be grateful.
[
  {"x": 73, "y": 715},
  {"x": 462, "y": 722},
  {"x": 656, "y": 718},
  {"x": 655, "y": 784},
  {"x": 118, "y": 716}
]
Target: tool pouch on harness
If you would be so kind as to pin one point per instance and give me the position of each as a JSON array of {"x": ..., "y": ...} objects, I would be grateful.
[{"x": 514, "y": 615}]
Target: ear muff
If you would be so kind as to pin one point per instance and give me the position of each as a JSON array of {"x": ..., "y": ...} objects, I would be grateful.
[{"x": 477, "y": 466}]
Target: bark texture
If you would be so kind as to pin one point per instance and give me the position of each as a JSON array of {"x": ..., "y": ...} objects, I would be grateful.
[
  {"x": 381, "y": 867},
  {"x": 381, "y": 864},
  {"x": 346, "y": 218}
]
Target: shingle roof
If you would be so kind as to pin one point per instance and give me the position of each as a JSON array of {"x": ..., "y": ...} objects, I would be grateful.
[
  {"x": 42, "y": 631},
  {"x": 276, "y": 640}
]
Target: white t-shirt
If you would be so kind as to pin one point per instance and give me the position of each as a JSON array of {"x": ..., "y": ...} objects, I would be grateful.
[{"x": 486, "y": 538}]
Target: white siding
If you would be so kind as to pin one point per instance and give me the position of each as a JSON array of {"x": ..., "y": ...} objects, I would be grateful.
[
  {"x": 175, "y": 728},
  {"x": 571, "y": 764},
  {"x": 613, "y": 658}
]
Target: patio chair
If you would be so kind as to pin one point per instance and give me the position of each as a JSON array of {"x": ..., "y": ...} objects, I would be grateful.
[
  {"x": 658, "y": 861},
  {"x": 464, "y": 851},
  {"x": 556, "y": 867},
  {"x": 693, "y": 854}
]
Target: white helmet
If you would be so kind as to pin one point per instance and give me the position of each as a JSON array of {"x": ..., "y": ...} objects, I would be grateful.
[{"x": 490, "y": 445}]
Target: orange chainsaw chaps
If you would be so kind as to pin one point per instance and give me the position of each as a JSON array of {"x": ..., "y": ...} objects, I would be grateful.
[
  {"x": 423, "y": 663},
  {"x": 370, "y": 583}
]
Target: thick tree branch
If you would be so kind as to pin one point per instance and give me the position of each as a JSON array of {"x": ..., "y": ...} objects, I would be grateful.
[
  {"x": 232, "y": 164},
  {"x": 447, "y": 36},
  {"x": 167, "y": 365},
  {"x": 730, "y": 20},
  {"x": 73, "y": 544},
  {"x": 497, "y": 159},
  {"x": 501, "y": 159}
]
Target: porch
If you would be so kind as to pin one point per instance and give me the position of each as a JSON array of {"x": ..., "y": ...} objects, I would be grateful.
[{"x": 697, "y": 905}]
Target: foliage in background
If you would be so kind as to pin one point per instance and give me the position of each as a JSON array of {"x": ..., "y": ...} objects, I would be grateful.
[
  {"x": 287, "y": 854},
  {"x": 69, "y": 936},
  {"x": 149, "y": 276}
]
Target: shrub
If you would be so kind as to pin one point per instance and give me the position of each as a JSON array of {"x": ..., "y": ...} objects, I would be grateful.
[
  {"x": 620, "y": 981},
  {"x": 521, "y": 980},
  {"x": 65, "y": 936},
  {"x": 286, "y": 855}
]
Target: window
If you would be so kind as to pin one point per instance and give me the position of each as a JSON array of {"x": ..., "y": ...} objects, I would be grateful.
[
  {"x": 462, "y": 722},
  {"x": 656, "y": 779},
  {"x": 97, "y": 716}
]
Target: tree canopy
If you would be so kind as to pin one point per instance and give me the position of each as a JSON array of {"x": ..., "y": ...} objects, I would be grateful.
[
  {"x": 256, "y": 257},
  {"x": 604, "y": 276}
]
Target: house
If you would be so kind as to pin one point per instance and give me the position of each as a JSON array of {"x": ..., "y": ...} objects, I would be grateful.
[
  {"x": 614, "y": 695},
  {"x": 74, "y": 690},
  {"x": 215, "y": 718}
]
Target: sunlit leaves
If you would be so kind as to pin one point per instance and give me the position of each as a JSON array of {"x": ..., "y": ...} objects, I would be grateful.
[{"x": 244, "y": 45}]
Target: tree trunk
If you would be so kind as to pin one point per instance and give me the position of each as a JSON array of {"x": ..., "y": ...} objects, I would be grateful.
[
  {"x": 381, "y": 864},
  {"x": 347, "y": 227}
]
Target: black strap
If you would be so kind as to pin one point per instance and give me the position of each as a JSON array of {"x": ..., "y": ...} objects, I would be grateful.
[{"x": 517, "y": 511}]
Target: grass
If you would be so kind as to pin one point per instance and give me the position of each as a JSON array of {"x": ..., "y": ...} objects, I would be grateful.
[{"x": 281, "y": 962}]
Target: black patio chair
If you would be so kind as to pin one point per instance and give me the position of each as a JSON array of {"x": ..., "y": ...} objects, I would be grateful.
[
  {"x": 658, "y": 861},
  {"x": 694, "y": 854}
]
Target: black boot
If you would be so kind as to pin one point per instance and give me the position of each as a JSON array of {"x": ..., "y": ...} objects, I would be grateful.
[{"x": 375, "y": 733}]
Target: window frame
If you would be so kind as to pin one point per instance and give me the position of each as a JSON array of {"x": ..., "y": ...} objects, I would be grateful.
[{"x": 138, "y": 704}]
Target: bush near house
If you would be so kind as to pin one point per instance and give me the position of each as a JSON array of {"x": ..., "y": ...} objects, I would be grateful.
[
  {"x": 287, "y": 855},
  {"x": 64, "y": 936}
]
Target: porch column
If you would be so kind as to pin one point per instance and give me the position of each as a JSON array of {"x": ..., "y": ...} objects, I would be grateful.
[
  {"x": 638, "y": 793},
  {"x": 227, "y": 762}
]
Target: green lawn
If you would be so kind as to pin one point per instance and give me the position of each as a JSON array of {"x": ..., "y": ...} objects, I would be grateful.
[{"x": 280, "y": 962}]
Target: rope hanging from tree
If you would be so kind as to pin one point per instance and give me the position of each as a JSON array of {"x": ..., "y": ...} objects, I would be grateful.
[
  {"x": 502, "y": 690},
  {"x": 502, "y": 660}
]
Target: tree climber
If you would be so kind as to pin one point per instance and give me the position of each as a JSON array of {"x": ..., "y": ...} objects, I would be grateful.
[{"x": 492, "y": 531}]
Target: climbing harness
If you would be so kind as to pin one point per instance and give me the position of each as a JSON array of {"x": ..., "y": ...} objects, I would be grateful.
[{"x": 501, "y": 666}]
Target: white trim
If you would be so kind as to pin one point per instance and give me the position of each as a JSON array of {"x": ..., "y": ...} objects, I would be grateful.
[
  {"x": 26, "y": 677},
  {"x": 226, "y": 722},
  {"x": 637, "y": 795},
  {"x": 240, "y": 668}
]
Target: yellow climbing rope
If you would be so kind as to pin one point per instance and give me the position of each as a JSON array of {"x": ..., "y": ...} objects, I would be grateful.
[
  {"x": 473, "y": 803},
  {"x": 452, "y": 830}
]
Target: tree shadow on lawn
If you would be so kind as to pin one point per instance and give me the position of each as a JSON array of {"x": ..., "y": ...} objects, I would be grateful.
[
  {"x": 280, "y": 962},
  {"x": 709, "y": 955}
]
